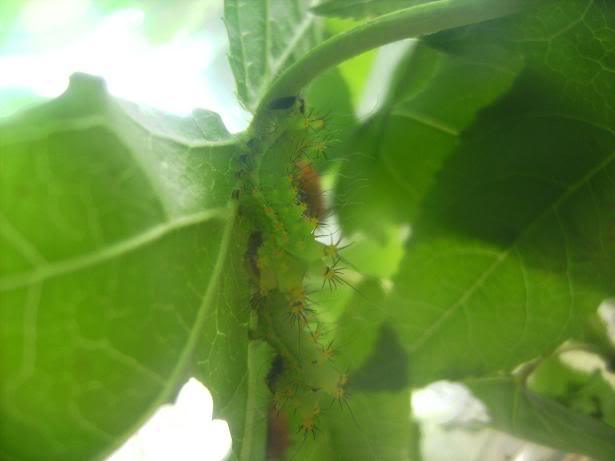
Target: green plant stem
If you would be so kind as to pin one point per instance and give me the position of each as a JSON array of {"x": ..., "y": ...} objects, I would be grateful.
[{"x": 410, "y": 22}]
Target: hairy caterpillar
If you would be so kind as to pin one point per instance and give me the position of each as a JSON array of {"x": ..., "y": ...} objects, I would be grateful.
[{"x": 280, "y": 193}]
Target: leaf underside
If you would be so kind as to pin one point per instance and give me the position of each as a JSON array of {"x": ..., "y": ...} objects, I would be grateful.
[
  {"x": 511, "y": 247},
  {"x": 110, "y": 236}
]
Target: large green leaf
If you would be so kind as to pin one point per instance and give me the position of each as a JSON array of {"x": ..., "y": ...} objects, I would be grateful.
[
  {"x": 115, "y": 233},
  {"x": 514, "y": 409},
  {"x": 511, "y": 251},
  {"x": 265, "y": 37},
  {"x": 397, "y": 152},
  {"x": 510, "y": 256}
]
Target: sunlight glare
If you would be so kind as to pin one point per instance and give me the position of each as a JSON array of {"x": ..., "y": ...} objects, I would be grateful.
[
  {"x": 183, "y": 431},
  {"x": 175, "y": 77},
  {"x": 446, "y": 402}
]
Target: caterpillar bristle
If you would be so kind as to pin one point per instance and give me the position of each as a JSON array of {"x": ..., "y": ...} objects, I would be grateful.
[{"x": 333, "y": 275}]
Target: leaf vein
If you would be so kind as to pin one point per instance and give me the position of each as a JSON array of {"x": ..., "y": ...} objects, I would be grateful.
[
  {"x": 503, "y": 256},
  {"x": 63, "y": 267}
]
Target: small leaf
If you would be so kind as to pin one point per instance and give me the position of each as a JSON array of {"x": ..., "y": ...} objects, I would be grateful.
[
  {"x": 265, "y": 37},
  {"x": 586, "y": 392},
  {"x": 514, "y": 409}
]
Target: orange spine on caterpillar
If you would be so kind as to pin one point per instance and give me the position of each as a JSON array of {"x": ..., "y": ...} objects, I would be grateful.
[{"x": 280, "y": 192}]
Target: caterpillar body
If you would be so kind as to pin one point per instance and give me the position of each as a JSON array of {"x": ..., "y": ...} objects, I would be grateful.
[{"x": 281, "y": 196}]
